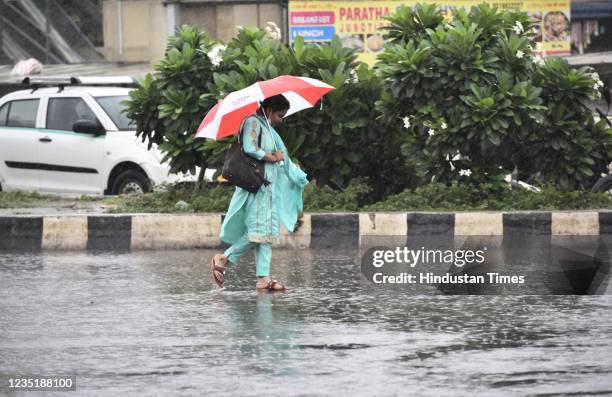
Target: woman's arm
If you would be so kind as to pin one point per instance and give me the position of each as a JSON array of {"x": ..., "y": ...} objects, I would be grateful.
[
  {"x": 250, "y": 138},
  {"x": 250, "y": 135}
]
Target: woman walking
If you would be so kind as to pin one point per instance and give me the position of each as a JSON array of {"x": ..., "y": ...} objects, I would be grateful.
[{"x": 253, "y": 219}]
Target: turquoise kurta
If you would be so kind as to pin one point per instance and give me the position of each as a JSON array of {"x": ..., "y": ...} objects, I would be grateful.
[{"x": 259, "y": 216}]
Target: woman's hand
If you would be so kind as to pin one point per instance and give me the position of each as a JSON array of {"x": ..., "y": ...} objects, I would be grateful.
[
  {"x": 280, "y": 156},
  {"x": 274, "y": 157}
]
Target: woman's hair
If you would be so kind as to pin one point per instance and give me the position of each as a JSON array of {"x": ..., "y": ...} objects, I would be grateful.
[{"x": 276, "y": 103}]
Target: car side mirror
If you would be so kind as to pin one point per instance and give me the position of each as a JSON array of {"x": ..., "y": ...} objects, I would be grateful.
[{"x": 88, "y": 127}]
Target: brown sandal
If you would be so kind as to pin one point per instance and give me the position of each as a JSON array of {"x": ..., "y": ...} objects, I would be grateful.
[
  {"x": 272, "y": 284},
  {"x": 218, "y": 272}
]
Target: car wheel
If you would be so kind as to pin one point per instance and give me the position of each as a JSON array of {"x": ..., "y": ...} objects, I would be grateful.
[
  {"x": 130, "y": 182},
  {"x": 603, "y": 185}
]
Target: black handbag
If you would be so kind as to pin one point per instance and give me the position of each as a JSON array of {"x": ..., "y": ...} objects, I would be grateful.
[{"x": 242, "y": 170}]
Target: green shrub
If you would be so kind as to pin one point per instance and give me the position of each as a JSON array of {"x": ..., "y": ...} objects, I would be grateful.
[
  {"x": 324, "y": 198},
  {"x": 216, "y": 198},
  {"x": 466, "y": 197},
  {"x": 169, "y": 106},
  {"x": 569, "y": 149},
  {"x": 470, "y": 103},
  {"x": 356, "y": 197},
  {"x": 334, "y": 143},
  {"x": 345, "y": 140}
]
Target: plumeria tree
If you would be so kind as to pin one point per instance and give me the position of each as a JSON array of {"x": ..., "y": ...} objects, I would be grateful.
[
  {"x": 338, "y": 140},
  {"x": 168, "y": 107},
  {"x": 472, "y": 99}
]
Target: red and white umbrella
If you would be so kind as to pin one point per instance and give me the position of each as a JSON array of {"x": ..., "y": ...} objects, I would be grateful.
[{"x": 225, "y": 117}]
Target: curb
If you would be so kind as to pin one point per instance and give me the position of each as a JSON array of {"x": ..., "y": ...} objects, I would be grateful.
[{"x": 318, "y": 231}]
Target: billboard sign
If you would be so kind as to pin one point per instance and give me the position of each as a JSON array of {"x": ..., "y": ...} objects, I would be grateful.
[{"x": 357, "y": 23}]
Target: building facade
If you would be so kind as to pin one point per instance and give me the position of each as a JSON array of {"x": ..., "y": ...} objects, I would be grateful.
[
  {"x": 591, "y": 26},
  {"x": 136, "y": 30}
]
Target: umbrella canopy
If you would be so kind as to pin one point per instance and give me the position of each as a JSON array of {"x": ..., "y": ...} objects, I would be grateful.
[{"x": 225, "y": 117}]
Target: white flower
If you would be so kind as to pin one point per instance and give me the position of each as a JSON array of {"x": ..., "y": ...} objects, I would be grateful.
[
  {"x": 215, "y": 54},
  {"x": 518, "y": 27},
  {"x": 539, "y": 47},
  {"x": 354, "y": 76},
  {"x": 443, "y": 125},
  {"x": 458, "y": 157},
  {"x": 216, "y": 61},
  {"x": 273, "y": 31},
  {"x": 596, "y": 87},
  {"x": 538, "y": 60},
  {"x": 431, "y": 132},
  {"x": 467, "y": 172},
  {"x": 519, "y": 54},
  {"x": 406, "y": 121},
  {"x": 597, "y": 80},
  {"x": 219, "y": 48},
  {"x": 452, "y": 167}
]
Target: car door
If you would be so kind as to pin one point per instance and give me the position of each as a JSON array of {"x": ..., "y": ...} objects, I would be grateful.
[
  {"x": 70, "y": 162},
  {"x": 18, "y": 144}
]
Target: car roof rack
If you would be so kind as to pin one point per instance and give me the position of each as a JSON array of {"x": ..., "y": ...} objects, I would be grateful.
[{"x": 63, "y": 81}]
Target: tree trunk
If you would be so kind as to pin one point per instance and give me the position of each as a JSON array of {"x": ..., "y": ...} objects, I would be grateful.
[{"x": 200, "y": 182}]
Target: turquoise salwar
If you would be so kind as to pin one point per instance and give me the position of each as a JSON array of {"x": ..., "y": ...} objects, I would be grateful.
[
  {"x": 253, "y": 220},
  {"x": 263, "y": 254}
]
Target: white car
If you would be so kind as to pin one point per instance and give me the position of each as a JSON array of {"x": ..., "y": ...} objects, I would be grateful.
[{"x": 71, "y": 137}]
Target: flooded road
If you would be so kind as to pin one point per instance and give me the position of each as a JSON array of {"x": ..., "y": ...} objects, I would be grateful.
[{"x": 152, "y": 323}]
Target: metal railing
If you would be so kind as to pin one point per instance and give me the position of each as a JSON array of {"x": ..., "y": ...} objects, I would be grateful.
[{"x": 43, "y": 30}]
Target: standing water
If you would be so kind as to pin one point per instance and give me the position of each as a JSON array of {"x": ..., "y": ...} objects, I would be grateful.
[{"x": 153, "y": 323}]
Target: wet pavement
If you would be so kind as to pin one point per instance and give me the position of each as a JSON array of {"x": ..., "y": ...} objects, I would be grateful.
[{"x": 152, "y": 323}]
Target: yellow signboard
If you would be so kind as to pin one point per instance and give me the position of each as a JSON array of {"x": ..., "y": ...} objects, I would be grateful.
[{"x": 357, "y": 23}]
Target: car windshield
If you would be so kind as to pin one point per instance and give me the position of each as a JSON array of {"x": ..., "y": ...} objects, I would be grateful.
[{"x": 113, "y": 107}]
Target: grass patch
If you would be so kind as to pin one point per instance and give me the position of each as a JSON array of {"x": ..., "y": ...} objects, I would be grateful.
[
  {"x": 217, "y": 199},
  {"x": 19, "y": 199},
  {"x": 206, "y": 199},
  {"x": 432, "y": 197},
  {"x": 23, "y": 199}
]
